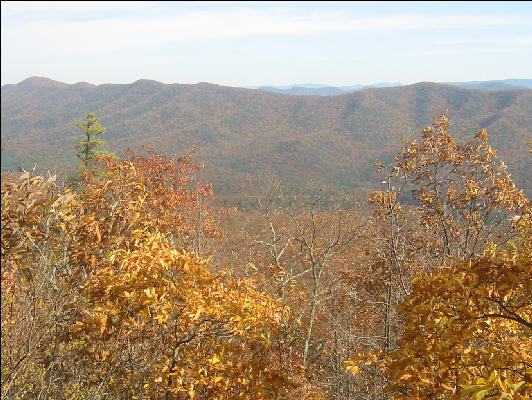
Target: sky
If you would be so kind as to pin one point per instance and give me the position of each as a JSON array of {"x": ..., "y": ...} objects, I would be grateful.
[{"x": 266, "y": 43}]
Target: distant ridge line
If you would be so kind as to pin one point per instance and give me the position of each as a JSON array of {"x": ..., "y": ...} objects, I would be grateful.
[{"x": 296, "y": 89}]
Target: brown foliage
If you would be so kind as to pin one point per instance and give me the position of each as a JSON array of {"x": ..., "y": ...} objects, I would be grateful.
[
  {"x": 467, "y": 325},
  {"x": 100, "y": 299}
]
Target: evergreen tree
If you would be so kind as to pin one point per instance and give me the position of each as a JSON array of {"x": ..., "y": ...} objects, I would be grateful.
[{"x": 90, "y": 146}]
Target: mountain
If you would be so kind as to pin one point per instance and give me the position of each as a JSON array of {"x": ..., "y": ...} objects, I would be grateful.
[
  {"x": 324, "y": 90},
  {"x": 244, "y": 133},
  {"x": 312, "y": 89},
  {"x": 496, "y": 85},
  {"x": 485, "y": 85},
  {"x": 302, "y": 90},
  {"x": 522, "y": 83},
  {"x": 374, "y": 85}
]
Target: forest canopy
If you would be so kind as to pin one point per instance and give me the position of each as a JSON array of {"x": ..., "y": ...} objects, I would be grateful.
[{"x": 132, "y": 283}]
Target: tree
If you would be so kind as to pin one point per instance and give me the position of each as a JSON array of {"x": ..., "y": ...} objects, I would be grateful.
[
  {"x": 136, "y": 193},
  {"x": 299, "y": 252},
  {"x": 91, "y": 146},
  {"x": 100, "y": 299},
  {"x": 463, "y": 192},
  {"x": 465, "y": 311},
  {"x": 161, "y": 322},
  {"x": 468, "y": 328},
  {"x": 462, "y": 199},
  {"x": 37, "y": 288}
]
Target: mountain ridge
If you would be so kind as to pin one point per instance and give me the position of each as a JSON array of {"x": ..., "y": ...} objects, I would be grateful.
[
  {"x": 501, "y": 84},
  {"x": 327, "y": 90},
  {"x": 244, "y": 132}
]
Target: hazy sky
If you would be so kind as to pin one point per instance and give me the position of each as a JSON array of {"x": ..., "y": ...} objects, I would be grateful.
[{"x": 244, "y": 44}]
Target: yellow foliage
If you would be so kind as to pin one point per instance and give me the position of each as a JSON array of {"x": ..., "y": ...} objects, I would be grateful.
[
  {"x": 468, "y": 329},
  {"x": 99, "y": 296}
]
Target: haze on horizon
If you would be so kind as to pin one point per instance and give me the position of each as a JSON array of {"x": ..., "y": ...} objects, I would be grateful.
[{"x": 266, "y": 43}]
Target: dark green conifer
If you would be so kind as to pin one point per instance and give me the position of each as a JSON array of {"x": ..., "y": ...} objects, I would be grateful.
[{"x": 90, "y": 146}]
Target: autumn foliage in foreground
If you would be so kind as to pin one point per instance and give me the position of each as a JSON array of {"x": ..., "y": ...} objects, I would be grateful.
[
  {"x": 467, "y": 329},
  {"x": 98, "y": 300},
  {"x": 107, "y": 292}
]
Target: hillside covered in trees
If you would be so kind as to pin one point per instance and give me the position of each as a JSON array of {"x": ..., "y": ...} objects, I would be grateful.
[
  {"x": 242, "y": 133},
  {"x": 129, "y": 282}
]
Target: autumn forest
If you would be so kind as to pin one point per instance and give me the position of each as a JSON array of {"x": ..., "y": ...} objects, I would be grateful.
[{"x": 128, "y": 278}]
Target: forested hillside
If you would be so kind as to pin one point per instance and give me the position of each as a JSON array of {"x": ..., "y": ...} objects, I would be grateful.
[
  {"x": 245, "y": 132},
  {"x": 129, "y": 282}
]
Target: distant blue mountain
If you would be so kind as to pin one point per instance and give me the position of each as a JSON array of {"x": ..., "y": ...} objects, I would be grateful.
[
  {"x": 504, "y": 84},
  {"x": 321, "y": 90},
  {"x": 314, "y": 89},
  {"x": 305, "y": 90}
]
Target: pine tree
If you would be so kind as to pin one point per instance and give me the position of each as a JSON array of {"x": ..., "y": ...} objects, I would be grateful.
[{"x": 90, "y": 146}]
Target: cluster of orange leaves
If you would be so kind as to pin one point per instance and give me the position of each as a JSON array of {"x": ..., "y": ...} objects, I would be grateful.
[
  {"x": 467, "y": 331},
  {"x": 100, "y": 294}
]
